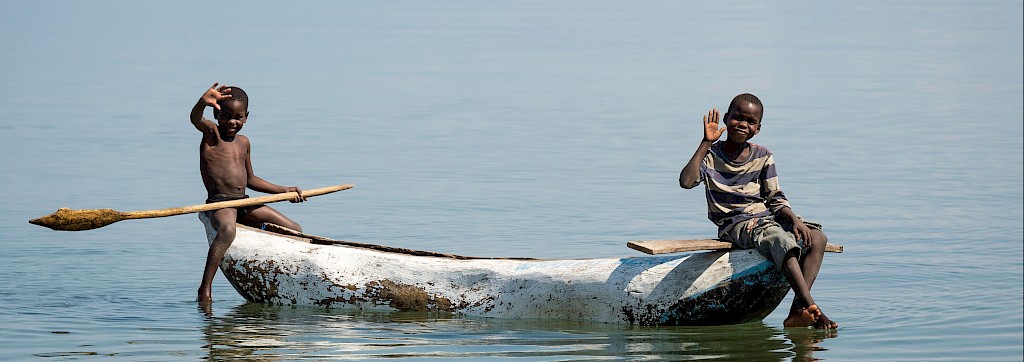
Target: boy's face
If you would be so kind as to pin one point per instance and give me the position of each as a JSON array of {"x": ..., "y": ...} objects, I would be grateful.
[
  {"x": 743, "y": 121},
  {"x": 231, "y": 117}
]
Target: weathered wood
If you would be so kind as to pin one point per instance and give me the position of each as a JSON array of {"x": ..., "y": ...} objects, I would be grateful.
[
  {"x": 66, "y": 219},
  {"x": 655, "y": 247}
]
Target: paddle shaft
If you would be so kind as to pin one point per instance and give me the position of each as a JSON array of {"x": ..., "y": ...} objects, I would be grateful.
[
  {"x": 75, "y": 220},
  {"x": 252, "y": 201}
]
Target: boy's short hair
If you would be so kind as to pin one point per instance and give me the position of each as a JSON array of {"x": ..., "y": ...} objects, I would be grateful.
[
  {"x": 745, "y": 97},
  {"x": 237, "y": 94}
]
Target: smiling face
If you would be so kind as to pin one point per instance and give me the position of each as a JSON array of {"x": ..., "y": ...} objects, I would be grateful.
[
  {"x": 743, "y": 120},
  {"x": 231, "y": 117}
]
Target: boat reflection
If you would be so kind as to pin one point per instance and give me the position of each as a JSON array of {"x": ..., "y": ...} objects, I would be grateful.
[{"x": 254, "y": 331}]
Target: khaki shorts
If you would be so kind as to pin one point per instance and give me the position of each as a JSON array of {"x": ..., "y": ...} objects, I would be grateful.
[{"x": 772, "y": 239}]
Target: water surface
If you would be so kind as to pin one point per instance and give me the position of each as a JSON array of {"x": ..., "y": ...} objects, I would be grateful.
[{"x": 533, "y": 129}]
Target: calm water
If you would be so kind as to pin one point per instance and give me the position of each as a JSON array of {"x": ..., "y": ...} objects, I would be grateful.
[{"x": 538, "y": 129}]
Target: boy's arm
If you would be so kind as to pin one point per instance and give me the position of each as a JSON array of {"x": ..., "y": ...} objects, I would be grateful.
[
  {"x": 689, "y": 177},
  {"x": 209, "y": 99},
  {"x": 776, "y": 201},
  {"x": 257, "y": 183}
]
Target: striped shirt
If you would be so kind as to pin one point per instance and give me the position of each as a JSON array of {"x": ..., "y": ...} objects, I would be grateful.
[{"x": 742, "y": 190}]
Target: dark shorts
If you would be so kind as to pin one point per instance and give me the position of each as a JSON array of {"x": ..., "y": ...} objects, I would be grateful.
[
  {"x": 242, "y": 211},
  {"x": 771, "y": 238}
]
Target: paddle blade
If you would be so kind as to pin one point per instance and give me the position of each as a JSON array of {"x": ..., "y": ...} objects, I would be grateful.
[{"x": 66, "y": 219}]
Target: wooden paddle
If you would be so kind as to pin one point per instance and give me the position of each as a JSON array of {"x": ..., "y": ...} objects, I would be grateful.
[
  {"x": 655, "y": 247},
  {"x": 74, "y": 220}
]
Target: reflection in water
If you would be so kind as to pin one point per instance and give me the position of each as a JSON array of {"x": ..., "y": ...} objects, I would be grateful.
[
  {"x": 262, "y": 332},
  {"x": 805, "y": 341},
  {"x": 249, "y": 331}
]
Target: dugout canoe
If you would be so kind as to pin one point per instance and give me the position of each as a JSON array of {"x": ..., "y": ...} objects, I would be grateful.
[{"x": 706, "y": 288}]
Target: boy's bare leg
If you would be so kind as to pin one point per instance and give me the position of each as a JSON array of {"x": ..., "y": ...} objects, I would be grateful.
[
  {"x": 224, "y": 221},
  {"x": 812, "y": 259},
  {"x": 805, "y": 311},
  {"x": 810, "y": 265},
  {"x": 801, "y": 275},
  {"x": 268, "y": 214}
]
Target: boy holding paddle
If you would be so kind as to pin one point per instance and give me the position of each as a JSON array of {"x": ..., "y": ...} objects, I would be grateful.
[
  {"x": 226, "y": 169},
  {"x": 745, "y": 201}
]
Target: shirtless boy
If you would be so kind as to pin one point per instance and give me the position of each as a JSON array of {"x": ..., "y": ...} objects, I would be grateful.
[
  {"x": 745, "y": 201},
  {"x": 227, "y": 171}
]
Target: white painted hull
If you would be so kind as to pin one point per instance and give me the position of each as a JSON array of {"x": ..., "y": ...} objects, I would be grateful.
[{"x": 721, "y": 287}]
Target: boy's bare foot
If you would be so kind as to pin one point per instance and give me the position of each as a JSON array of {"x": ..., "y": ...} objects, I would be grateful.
[
  {"x": 803, "y": 317},
  {"x": 823, "y": 322}
]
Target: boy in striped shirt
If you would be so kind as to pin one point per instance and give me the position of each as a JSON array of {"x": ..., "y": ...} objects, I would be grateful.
[{"x": 745, "y": 201}]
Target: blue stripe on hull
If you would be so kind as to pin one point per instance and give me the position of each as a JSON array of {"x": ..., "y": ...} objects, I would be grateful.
[{"x": 748, "y": 296}]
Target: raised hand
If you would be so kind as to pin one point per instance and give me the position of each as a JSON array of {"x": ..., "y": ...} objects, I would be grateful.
[
  {"x": 215, "y": 94},
  {"x": 711, "y": 131}
]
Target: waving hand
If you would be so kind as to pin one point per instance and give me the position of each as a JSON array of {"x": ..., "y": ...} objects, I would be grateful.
[{"x": 711, "y": 131}]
